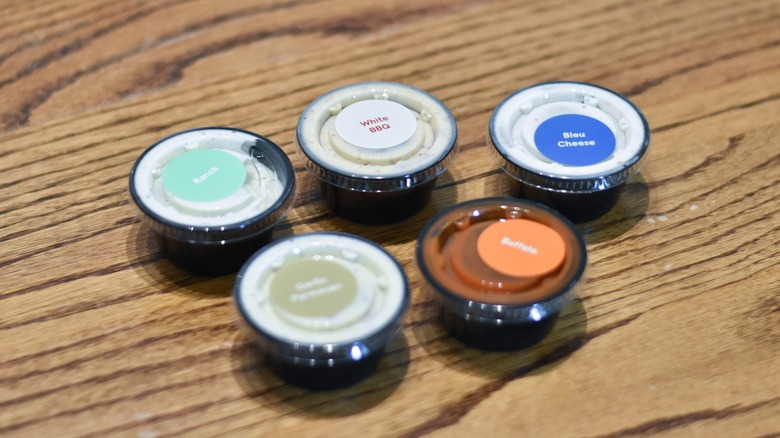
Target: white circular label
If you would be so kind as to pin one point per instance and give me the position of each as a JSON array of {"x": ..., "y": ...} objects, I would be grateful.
[{"x": 376, "y": 124}]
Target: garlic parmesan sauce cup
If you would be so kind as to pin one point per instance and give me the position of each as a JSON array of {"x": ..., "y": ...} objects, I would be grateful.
[{"x": 321, "y": 307}]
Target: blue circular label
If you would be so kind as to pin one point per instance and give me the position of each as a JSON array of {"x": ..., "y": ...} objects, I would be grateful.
[{"x": 574, "y": 140}]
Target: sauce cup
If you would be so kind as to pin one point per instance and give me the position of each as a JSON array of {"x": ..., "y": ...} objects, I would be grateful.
[
  {"x": 321, "y": 307},
  {"x": 377, "y": 149},
  {"x": 568, "y": 145},
  {"x": 500, "y": 270},
  {"x": 212, "y": 196}
]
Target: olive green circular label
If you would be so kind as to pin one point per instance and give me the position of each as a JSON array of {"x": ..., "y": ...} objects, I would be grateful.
[
  {"x": 204, "y": 175},
  {"x": 313, "y": 288}
]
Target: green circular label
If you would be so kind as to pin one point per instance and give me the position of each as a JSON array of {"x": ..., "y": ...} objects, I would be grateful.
[
  {"x": 204, "y": 175},
  {"x": 313, "y": 288}
]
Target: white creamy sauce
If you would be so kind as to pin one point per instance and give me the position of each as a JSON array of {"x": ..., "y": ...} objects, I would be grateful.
[{"x": 261, "y": 189}]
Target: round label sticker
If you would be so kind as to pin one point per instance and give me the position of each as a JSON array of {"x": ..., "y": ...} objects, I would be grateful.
[
  {"x": 313, "y": 288},
  {"x": 521, "y": 248},
  {"x": 204, "y": 175},
  {"x": 376, "y": 124},
  {"x": 574, "y": 140}
]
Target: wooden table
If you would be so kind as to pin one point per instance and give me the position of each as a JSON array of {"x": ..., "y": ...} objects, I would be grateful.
[{"x": 677, "y": 331}]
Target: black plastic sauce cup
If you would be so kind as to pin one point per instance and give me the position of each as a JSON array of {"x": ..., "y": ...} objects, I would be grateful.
[
  {"x": 321, "y": 307},
  {"x": 212, "y": 196},
  {"x": 569, "y": 145},
  {"x": 377, "y": 149},
  {"x": 500, "y": 270}
]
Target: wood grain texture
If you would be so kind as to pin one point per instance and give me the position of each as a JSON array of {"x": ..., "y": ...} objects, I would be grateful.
[{"x": 677, "y": 331}]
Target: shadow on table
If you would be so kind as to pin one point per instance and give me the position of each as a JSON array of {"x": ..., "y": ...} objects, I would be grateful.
[
  {"x": 567, "y": 336},
  {"x": 270, "y": 391},
  {"x": 631, "y": 207},
  {"x": 163, "y": 275}
]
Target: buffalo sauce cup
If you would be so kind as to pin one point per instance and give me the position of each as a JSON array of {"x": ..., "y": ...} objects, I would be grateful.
[
  {"x": 321, "y": 307},
  {"x": 377, "y": 149},
  {"x": 500, "y": 270},
  {"x": 212, "y": 196},
  {"x": 568, "y": 145}
]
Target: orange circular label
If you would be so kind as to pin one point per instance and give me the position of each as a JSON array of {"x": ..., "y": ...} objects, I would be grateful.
[{"x": 521, "y": 248}]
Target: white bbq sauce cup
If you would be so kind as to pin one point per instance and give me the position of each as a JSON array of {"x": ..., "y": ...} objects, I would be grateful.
[{"x": 377, "y": 148}]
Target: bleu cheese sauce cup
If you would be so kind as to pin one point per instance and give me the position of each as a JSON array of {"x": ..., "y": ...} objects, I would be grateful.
[
  {"x": 212, "y": 196},
  {"x": 321, "y": 307},
  {"x": 569, "y": 145},
  {"x": 377, "y": 149}
]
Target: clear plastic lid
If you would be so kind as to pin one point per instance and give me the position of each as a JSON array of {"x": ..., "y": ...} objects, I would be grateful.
[
  {"x": 568, "y": 137},
  {"x": 376, "y": 136},
  {"x": 212, "y": 184},
  {"x": 321, "y": 298},
  {"x": 501, "y": 259}
]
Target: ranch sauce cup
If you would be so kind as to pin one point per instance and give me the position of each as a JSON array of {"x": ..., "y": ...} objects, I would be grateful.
[
  {"x": 569, "y": 145},
  {"x": 321, "y": 307},
  {"x": 500, "y": 270},
  {"x": 377, "y": 148},
  {"x": 212, "y": 196}
]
